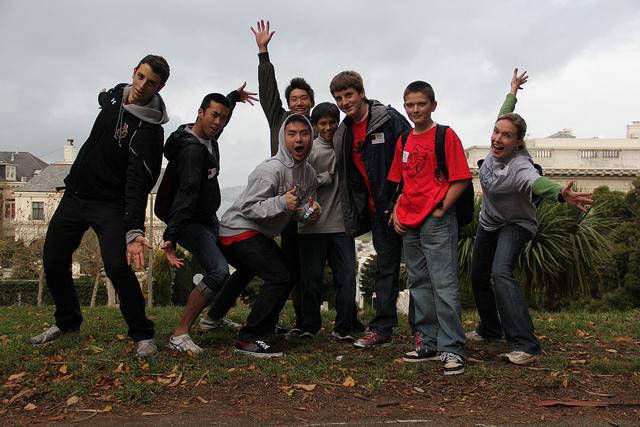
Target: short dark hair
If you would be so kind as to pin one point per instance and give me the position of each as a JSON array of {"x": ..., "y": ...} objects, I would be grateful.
[
  {"x": 421, "y": 87},
  {"x": 158, "y": 64},
  {"x": 214, "y": 97},
  {"x": 346, "y": 80},
  {"x": 325, "y": 109},
  {"x": 298, "y": 118},
  {"x": 299, "y": 83}
]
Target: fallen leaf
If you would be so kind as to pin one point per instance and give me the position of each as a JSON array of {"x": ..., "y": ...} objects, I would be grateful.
[
  {"x": 202, "y": 399},
  {"x": 107, "y": 408},
  {"x": 611, "y": 350},
  {"x": 339, "y": 358},
  {"x": 4, "y": 339},
  {"x": 627, "y": 340},
  {"x": 121, "y": 337},
  {"x": 579, "y": 362},
  {"x": 163, "y": 381},
  {"x": 349, "y": 382},
  {"x": 73, "y": 400},
  {"x": 121, "y": 369},
  {"x": 16, "y": 377},
  {"x": 176, "y": 381},
  {"x": 305, "y": 387},
  {"x": 25, "y": 392},
  {"x": 565, "y": 383},
  {"x": 145, "y": 366},
  {"x": 418, "y": 389},
  {"x": 231, "y": 370},
  {"x": 63, "y": 369},
  {"x": 29, "y": 407},
  {"x": 398, "y": 360},
  {"x": 251, "y": 367}
]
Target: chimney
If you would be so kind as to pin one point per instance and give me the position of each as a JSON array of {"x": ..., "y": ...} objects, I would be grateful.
[
  {"x": 633, "y": 130},
  {"x": 69, "y": 151}
]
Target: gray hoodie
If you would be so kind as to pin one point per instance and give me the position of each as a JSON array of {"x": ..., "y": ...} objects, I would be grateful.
[{"x": 262, "y": 206}]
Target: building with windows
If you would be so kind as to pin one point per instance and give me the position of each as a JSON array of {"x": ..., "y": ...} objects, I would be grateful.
[
  {"x": 591, "y": 162},
  {"x": 37, "y": 200},
  {"x": 16, "y": 168}
]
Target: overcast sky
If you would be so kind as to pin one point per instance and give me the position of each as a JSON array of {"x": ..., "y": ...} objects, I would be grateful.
[{"x": 583, "y": 58}]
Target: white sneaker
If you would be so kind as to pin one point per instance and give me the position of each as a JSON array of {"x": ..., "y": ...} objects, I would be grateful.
[
  {"x": 207, "y": 324},
  {"x": 474, "y": 336},
  {"x": 47, "y": 336},
  {"x": 146, "y": 348},
  {"x": 520, "y": 357},
  {"x": 183, "y": 344},
  {"x": 453, "y": 364}
]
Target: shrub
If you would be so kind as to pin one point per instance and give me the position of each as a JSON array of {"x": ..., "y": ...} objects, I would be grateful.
[{"x": 28, "y": 290}]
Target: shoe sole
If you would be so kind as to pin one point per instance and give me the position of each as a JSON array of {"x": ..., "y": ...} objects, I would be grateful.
[
  {"x": 343, "y": 339},
  {"x": 386, "y": 344},
  {"x": 180, "y": 350},
  {"x": 426, "y": 359},
  {"x": 525, "y": 361},
  {"x": 259, "y": 355},
  {"x": 457, "y": 372}
]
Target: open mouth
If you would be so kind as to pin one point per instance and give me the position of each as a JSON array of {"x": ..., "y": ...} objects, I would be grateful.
[{"x": 299, "y": 149}]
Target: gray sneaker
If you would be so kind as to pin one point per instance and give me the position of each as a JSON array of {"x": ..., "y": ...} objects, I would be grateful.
[
  {"x": 47, "y": 336},
  {"x": 183, "y": 344},
  {"x": 146, "y": 348},
  {"x": 207, "y": 324}
]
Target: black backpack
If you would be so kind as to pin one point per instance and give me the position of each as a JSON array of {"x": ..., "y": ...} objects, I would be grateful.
[{"x": 465, "y": 203}]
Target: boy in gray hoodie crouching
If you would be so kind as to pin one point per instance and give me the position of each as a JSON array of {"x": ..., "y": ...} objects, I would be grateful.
[{"x": 279, "y": 190}]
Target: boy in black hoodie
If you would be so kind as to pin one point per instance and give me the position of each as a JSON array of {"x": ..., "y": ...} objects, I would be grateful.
[
  {"x": 194, "y": 160},
  {"x": 107, "y": 189}
]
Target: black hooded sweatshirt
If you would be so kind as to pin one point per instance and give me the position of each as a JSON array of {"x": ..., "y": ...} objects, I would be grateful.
[
  {"x": 196, "y": 171},
  {"x": 121, "y": 159}
]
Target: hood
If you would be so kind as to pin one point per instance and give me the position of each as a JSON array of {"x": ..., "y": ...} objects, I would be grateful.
[
  {"x": 178, "y": 139},
  {"x": 154, "y": 112},
  {"x": 283, "y": 154}
]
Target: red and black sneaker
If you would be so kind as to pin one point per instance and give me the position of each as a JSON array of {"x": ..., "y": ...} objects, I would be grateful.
[
  {"x": 257, "y": 348},
  {"x": 373, "y": 339}
]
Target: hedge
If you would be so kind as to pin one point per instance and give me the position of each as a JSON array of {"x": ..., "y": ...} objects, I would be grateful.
[{"x": 28, "y": 290}]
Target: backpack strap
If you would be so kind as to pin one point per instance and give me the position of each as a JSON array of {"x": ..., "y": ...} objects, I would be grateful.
[
  {"x": 403, "y": 140},
  {"x": 441, "y": 169}
]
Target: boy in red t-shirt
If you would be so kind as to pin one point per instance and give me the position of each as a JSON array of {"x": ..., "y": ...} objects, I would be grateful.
[{"x": 425, "y": 216}]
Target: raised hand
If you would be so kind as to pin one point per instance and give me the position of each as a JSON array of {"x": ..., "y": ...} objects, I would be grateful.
[
  {"x": 170, "y": 254},
  {"x": 291, "y": 199},
  {"x": 246, "y": 96},
  {"x": 577, "y": 199},
  {"x": 263, "y": 35},
  {"x": 518, "y": 80}
]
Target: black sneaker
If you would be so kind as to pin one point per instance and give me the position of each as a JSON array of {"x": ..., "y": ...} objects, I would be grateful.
[
  {"x": 420, "y": 355},
  {"x": 453, "y": 364},
  {"x": 257, "y": 348},
  {"x": 281, "y": 331}
]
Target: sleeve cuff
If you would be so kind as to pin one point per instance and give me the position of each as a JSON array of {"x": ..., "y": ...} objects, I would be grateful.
[
  {"x": 132, "y": 235},
  {"x": 263, "y": 57}
]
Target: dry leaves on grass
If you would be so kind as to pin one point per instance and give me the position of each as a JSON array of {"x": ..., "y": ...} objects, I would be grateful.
[
  {"x": 305, "y": 387},
  {"x": 349, "y": 382},
  {"x": 30, "y": 407},
  {"x": 72, "y": 400}
]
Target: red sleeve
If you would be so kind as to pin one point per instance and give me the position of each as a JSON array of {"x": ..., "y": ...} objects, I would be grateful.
[
  {"x": 395, "y": 173},
  {"x": 456, "y": 158}
]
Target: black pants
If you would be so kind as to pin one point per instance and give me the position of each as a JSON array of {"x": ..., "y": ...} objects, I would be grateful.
[
  {"x": 262, "y": 257},
  {"x": 72, "y": 219}
]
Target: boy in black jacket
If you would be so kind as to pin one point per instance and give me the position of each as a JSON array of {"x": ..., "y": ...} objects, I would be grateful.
[
  {"x": 107, "y": 190},
  {"x": 193, "y": 154}
]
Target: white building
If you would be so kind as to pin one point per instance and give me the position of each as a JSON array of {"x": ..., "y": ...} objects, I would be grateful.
[
  {"x": 614, "y": 162},
  {"x": 37, "y": 200}
]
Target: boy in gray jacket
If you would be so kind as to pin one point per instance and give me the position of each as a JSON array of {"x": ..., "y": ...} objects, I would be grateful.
[{"x": 279, "y": 190}]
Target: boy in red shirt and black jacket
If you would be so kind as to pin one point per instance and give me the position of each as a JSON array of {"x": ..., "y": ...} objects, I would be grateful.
[
  {"x": 364, "y": 144},
  {"x": 425, "y": 216}
]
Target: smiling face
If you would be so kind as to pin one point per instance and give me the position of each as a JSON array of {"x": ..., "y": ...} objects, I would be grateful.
[
  {"x": 419, "y": 107},
  {"x": 144, "y": 84},
  {"x": 504, "y": 139},
  {"x": 300, "y": 102},
  {"x": 212, "y": 120},
  {"x": 326, "y": 127},
  {"x": 297, "y": 138},
  {"x": 352, "y": 103}
]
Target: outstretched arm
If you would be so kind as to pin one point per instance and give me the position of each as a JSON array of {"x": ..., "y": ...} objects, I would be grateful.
[{"x": 517, "y": 80}]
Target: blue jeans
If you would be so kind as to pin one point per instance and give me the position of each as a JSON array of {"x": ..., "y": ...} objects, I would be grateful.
[
  {"x": 503, "y": 306},
  {"x": 202, "y": 241},
  {"x": 340, "y": 250},
  {"x": 431, "y": 255},
  {"x": 388, "y": 246}
]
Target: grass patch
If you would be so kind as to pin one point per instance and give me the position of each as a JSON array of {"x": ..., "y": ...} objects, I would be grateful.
[{"x": 99, "y": 361}]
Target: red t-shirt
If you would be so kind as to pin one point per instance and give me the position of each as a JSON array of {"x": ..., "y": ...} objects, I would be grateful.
[
  {"x": 416, "y": 165},
  {"x": 359, "y": 134}
]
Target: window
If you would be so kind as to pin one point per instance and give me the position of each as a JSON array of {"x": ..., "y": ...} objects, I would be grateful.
[
  {"x": 10, "y": 209},
  {"x": 541, "y": 153},
  {"x": 37, "y": 211},
  {"x": 10, "y": 173},
  {"x": 588, "y": 154},
  {"x": 610, "y": 154}
]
